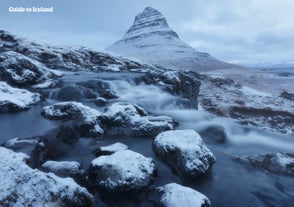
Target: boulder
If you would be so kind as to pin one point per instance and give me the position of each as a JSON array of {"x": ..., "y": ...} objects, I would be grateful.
[
  {"x": 181, "y": 83},
  {"x": 277, "y": 162},
  {"x": 214, "y": 134},
  {"x": 23, "y": 186},
  {"x": 131, "y": 119},
  {"x": 39, "y": 149},
  {"x": 23, "y": 71},
  {"x": 175, "y": 195},
  {"x": 100, "y": 101},
  {"x": 15, "y": 99},
  {"x": 185, "y": 151},
  {"x": 73, "y": 93},
  {"x": 64, "y": 169},
  {"x": 110, "y": 149},
  {"x": 101, "y": 87},
  {"x": 86, "y": 120},
  {"x": 122, "y": 171}
]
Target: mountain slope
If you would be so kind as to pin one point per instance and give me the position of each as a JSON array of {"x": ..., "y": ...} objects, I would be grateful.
[{"x": 151, "y": 39}]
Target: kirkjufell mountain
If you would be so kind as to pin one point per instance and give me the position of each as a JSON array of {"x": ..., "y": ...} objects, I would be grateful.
[{"x": 152, "y": 40}]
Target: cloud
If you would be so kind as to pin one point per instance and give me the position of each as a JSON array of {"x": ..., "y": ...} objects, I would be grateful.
[{"x": 232, "y": 30}]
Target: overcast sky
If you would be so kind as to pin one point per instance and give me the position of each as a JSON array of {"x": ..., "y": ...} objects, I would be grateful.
[{"x": 239, "y": 31}]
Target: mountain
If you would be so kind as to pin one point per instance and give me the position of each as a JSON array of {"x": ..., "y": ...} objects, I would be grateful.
[{"x": 152, "y": 40}]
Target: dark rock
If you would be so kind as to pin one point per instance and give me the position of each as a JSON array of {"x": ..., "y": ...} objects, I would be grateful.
[
  {"x": 214, "y": 134},
  {"x": 185, "y": 152},
  {"x": 280, "y": 163},
  {"x": 73, "y": 93},
  {"x": 67, "y": 134},
  {"x": 286, "y": 95},
  {"x": 183, "y": 84},
  {"x": 103, "y": 88}
]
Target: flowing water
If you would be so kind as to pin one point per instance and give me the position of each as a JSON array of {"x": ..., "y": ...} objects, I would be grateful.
[{"x": 227, "y": 184}]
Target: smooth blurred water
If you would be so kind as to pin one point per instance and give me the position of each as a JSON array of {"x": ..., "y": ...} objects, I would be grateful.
[{"x": 227, "y": 184}]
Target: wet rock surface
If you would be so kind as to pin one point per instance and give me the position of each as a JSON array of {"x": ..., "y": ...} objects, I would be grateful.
[
  {"x": 185, "y": 151},
  {"x": 214, "y": 134}
]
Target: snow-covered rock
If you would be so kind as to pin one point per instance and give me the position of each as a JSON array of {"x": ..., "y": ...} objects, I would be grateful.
[
  {"x": 88, "y": 120},
  {"x": 226, "y": 97},
  {"x": 23, "y": 71},
  {"x": 110, "y": 149},
  {"x": 24, "y": 186},
  {"x": 63, "y": 168},
  {"x": 185, "y": 151},
  {"x": 15, "y": 99},
  {"x": 69, "y": 58},
  {"x": 175, "y": 195},
  {"x": 129, "y": 118},
  {"x": 278, "y": 162},
  {"x": 122, "y": 171},
  {"x": 39, "y": 149},
  {"x": 150, "y": 37}
]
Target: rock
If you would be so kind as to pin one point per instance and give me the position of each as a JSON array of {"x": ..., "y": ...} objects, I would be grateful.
[
  {"x": 175, "y": 195},
  {"x": 100, "y": 101},
  {"x": 86, "y": 120},
  {"x": 15, "y": 99},
  {"x": 69, "y": 58},
  {"x": 73, "y": 93},
  {"x": 103, "y": 88},
  {"x": 67, "y": 134},
  {"x": 185, "y": 151},
  {"x": 128, "y": 118},
  {"x": 64, "y": 169},
  {"x": 286, "y": 95},
  {"x": 280, "y": 163},
  {"x": 39, "y": 149},
  {"x": 181, "y": 83},
  {"x": 150, "y": 37},
  {"x": 110, "y": 149},
  {"x": 225, "y": 97},
  {"x": 214, "y": 134},
  {"x": 24, "y": 186},
  {"x": 23, "y": 71},
  {"x": 121, "y": 171}
]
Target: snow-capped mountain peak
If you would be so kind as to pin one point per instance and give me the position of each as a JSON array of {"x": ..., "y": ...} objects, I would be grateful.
[
  {"x": 152, "y": 40},
  {"x": 150, "y": 21}
]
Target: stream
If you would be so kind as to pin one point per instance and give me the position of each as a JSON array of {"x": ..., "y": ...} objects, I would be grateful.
[{"x": 228, "y": 183}]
